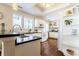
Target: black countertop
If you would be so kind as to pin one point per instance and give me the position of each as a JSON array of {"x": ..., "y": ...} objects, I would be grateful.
[{"x": 11, "y": 34}]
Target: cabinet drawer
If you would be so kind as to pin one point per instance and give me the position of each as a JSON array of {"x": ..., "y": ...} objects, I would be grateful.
[{"x": 53, "y": 35}]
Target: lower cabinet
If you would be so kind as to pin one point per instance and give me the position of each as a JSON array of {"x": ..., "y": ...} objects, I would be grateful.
[
  {"x": 53, "y": 35},
  {"x": 28, "y": 49},
  {"x": 8, "y": 47}
]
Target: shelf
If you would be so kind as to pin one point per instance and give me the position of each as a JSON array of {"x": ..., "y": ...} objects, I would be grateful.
[
  {"x": 73, "y": 26},
  {"x": 71, "y": 16}
]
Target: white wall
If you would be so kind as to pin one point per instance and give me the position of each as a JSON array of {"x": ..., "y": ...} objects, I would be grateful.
[
  {"x": 7, "y": 17},
  {"x": 58, "y": 15},
  {"x": 8, "y": 12},
  {"x": 54, "y": 17}
]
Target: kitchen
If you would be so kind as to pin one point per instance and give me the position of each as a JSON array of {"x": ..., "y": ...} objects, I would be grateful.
[
  {"x": 23, "y": 29},
  {"x": 24, "y": 26}
]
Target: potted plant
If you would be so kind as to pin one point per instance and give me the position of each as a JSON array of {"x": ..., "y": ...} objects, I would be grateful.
[{"x": 68, "y": 22}]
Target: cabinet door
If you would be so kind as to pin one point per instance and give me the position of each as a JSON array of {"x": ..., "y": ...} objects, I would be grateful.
[
  {"x": 53, "y": 35},
  {"x": 28, "y": 49},
  {"x": 8, "y": 46}
]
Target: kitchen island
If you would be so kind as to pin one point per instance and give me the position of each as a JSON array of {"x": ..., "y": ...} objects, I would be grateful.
[{"x": 9, "y": 45}]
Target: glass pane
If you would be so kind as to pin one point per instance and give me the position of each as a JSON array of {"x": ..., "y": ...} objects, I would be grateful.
[
  {"x": 36, "y": 23},
  {"x": 17, "y": 20},
  {"x": 31, "y": 23},
  {"x": 26, "y": 23}
]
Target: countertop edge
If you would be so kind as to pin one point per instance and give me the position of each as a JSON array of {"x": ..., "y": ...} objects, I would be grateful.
[{"x": 27, "y": 41}]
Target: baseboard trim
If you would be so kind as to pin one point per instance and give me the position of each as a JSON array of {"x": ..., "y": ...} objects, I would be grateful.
[{"x": 52, "y": 38}]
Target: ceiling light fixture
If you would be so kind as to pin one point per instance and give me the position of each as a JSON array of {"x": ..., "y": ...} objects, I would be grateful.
[
  {"x": 15, "y": 6},
  {"x": 46, "y": 5}
]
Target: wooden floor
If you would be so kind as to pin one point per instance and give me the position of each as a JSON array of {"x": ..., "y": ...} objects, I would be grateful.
[{"x": 49, "y": 48}]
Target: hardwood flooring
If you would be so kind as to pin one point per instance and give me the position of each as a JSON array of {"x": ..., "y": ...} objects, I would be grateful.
[{"x": 49, "y": 48}]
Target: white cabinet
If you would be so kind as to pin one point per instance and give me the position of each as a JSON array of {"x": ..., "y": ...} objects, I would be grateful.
[
  {"x": 44, "y": 36},
  {"x": 70, "y": 35},
  {"x": 53, "y": 35},
  {"x": 37, "y": 34}
]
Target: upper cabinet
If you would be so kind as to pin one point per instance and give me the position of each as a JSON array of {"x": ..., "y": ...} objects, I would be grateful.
[
  {"x": 71, "y": 16},
  {"x": 39, "y": 23},
  {"x": 71, "y": 21}
]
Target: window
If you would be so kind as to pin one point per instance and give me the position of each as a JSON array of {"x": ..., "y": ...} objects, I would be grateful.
[
  {"x": 36, "y": 23},
  {"x": 26, "y": 23},
  {"x": 31, "y": 23},
  {"x": 17, "y": 20},
  {"x": 23, "y": 22}
]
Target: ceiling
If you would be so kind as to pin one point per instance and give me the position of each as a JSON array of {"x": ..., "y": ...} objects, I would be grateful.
[{"x": 40, "y": 9}]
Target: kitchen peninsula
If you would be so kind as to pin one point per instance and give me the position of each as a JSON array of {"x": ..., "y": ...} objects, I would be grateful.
[{"x": 20, "y": 44}]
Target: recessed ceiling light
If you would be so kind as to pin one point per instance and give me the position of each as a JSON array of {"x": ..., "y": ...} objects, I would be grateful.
[
  {"x": 47, "y": 5},
  {"x": 15, "y": 6}
]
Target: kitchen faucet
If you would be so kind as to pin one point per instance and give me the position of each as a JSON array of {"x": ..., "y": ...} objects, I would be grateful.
[{"x": 16, "y": 27}]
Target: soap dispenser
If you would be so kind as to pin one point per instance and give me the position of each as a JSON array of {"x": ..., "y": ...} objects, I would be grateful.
[{"x": 2, "y": 28}]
